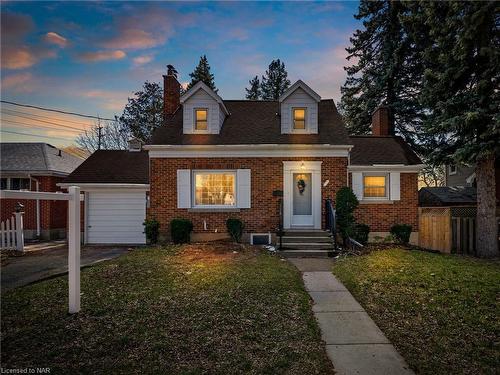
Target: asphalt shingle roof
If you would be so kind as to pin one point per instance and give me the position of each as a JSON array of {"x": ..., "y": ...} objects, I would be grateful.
[
  {"x": 369, "y": 150},
  {"x": 36, "y": 157},
  {"x": 255, "y": 122},
  {"x": 447, "y": 196},
  {"x": 113, "y": 166}
]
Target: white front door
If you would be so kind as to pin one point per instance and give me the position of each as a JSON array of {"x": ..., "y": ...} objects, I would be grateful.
[
  {"x": 302, "y": 205},
  {"x": 302, "y": 194}
]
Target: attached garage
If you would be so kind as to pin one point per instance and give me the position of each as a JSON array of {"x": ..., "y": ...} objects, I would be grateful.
[
  {"x": 115, "y": 184},
  {"x": 115, "y": 217}
]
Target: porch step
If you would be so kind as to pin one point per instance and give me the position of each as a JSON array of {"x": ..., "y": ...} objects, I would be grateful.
[
  {"x": 308, "y": 253},
  {"x": 305, "y": 233},
  {"x": 306, "y": 239}
]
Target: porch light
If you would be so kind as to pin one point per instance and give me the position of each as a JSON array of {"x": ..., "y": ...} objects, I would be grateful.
[{"x": 302, "y": 166}]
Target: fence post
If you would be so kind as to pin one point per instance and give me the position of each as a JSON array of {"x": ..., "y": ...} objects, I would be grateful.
[
  {"x": 19, "y": 231},
  {"x": 74, "y": 249}
]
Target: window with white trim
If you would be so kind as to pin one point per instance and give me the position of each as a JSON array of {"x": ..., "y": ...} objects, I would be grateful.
[
  {"x": 201, "y": 119},
  {"x": 299, "y": 118},
  {"x": 214, "y": 188},
  {"x": 375, "y": 186},
  {"x": 14, "y": 183}
]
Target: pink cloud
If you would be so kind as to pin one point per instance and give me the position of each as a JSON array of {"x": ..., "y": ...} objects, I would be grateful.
[
  {"x": 102, "y": 56},
  {"x": 18, "y": 82},
  {"x": 55, "y": 38},
  {"x": 14, "y": 25},
  {"x": 112, "y": 100},
  {"x": 141, "y": 60},
  {"x": 18, "y": 58}
]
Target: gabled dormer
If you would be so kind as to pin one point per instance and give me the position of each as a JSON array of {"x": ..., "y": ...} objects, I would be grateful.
[
  {"x": 299, "y": 109},
  {"x": 204, "y": 111}
]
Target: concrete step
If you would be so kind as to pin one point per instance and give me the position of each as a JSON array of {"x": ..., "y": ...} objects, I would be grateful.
[
  {"x": 305, "y": 233},
  {"x": 308, "y": 253},
  {"x": 303, "y": 239}
]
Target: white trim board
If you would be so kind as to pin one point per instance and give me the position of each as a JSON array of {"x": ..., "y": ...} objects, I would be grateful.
[
  {"x": 104, "y": 186},
  {"x": 267, "y": 150},
  {"x": 386, "y": 168}
]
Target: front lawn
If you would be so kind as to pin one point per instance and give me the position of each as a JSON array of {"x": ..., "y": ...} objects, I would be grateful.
[
  {"x": 175, "y": 310},
  {"x": 440, "y": 311}
]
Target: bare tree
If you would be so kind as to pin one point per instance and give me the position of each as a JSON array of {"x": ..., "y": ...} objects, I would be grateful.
[
  {"x": 110, "y": 135},
  {"x": 431, "y": 176}
]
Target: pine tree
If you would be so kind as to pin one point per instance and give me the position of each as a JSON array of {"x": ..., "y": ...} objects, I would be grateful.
[
  {"x": 254, "y": 92},
  {"x": 461, "y": 83},
  {"x": 386, "y": 71},
  {"x": 275, "y": 82},
  {"x": 202, "y": 73}
]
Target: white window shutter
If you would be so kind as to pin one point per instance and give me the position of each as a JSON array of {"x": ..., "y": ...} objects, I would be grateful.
[
  {"x": 357, "y": 184},
  {"x": 183, "y": 188},
  {"x": 243, "y": 189},
  {"x": 395, "y": 186}
]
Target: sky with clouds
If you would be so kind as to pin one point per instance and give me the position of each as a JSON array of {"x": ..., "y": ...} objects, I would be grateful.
[{"x": 89, "y": 57}]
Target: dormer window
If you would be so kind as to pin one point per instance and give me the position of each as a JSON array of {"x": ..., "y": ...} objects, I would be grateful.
[
  {"x": 201, "y": 119},
  {"x": 299, "y": 118}
]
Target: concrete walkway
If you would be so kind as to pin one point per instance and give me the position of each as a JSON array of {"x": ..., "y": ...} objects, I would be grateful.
[
  {"x": 354, "y": 343},
  {"x": 42, "y": 264}
]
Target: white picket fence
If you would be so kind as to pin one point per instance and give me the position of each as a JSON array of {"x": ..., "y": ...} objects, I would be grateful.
[{"x": 11, "y": 233}]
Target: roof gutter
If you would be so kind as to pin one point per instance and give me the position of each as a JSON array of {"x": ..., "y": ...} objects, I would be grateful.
[{"x": 91, "y": 186}]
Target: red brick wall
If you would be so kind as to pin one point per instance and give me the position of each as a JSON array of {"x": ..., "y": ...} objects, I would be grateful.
[
  {"x": 53, "y": 214},
  {"x": 380, "y": 217},
  {"x": 267, "y": 176}
]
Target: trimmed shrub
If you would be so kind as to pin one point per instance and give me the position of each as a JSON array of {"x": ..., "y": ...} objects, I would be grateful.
[
  {"x": 235, "y": 228},
  {"x": 151, "y": 229},
  {"x": 345, "y": 204},
  {"x": 360, "y": 233},
  {"x": 401, "y": 232},
  {"x": 180, "y": 230}
]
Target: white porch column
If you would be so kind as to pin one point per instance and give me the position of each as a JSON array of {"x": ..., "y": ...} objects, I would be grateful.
[
  {"x": 74, "y": 249},
  {"x": 19, "y": 231}
]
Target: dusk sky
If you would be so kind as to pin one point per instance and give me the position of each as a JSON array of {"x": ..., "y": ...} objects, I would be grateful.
[{"x": 88, "y": 57}]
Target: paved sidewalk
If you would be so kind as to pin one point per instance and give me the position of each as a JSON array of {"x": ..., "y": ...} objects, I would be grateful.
[
  {"x": 354, "y": 343},
  {"x": 42, "y": 264}
]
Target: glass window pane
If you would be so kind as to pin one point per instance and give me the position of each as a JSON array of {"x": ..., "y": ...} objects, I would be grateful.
[
  {"x": 201, "y": 114},
  {"x": 15, "y": 183},
  {"x": 201, "y": 119},
  {"x": 4, "y": 184},
  {"x": 299, "y": 114},
  {"x": 374, "y": 186},
  {"x": 215, "y": 189},
  {"x": 25, "y": 184},
  {"x": 299, "y": 118}
]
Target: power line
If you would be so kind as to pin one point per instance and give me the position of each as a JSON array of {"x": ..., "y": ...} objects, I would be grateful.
[
  {"x": 35, "y": 135},
  {"x": 46, "y": 117},
  {"x": 47, "y": 122},
  {"x": 41, "y": 126},
  {"x": 56, "y": 110}
]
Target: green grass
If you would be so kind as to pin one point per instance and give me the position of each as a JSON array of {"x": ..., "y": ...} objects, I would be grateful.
[
  {"x": 440, "y": 311},
  {"x": 175, "y": 310}
]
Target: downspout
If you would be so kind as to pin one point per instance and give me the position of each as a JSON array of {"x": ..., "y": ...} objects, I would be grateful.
[{"x": 37, "y": 207}]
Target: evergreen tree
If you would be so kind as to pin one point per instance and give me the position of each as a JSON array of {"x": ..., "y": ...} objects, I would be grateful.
[
  {"x": 254, "y": 92},
  {"x": 461, "y": 84},
  {"x": 202, "y": 73},
  {"x": 144, "y": 112},
  {"x": 275, "y": 82},
  {"x": 386, "y": 71}
]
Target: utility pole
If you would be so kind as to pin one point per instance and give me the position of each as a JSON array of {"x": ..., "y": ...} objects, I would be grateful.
[{"x": 99, "y": 134}]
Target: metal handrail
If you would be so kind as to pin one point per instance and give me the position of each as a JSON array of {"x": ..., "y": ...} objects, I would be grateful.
[{"x": 331, "y": 220}]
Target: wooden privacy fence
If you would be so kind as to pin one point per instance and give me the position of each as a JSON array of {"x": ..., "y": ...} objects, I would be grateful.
[
  {"x": 448, "y": 229},
  {"x": 11, "y": 233}
]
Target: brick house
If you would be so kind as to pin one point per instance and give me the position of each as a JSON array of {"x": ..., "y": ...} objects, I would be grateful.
[
  {"x": 214, "y": 159},
  {"x": 36, "y": 167}
]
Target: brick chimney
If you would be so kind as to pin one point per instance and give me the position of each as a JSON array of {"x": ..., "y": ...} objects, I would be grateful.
[
  {"x": 171, "y": 93},
  {"x": 382, "y": 124}
]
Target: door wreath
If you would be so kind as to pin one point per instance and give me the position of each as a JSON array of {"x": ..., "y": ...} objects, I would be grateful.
[{"x": 301, "y": 184}]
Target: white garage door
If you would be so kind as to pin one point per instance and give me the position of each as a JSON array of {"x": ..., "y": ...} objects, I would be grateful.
[{"x": 116, "y": 218}]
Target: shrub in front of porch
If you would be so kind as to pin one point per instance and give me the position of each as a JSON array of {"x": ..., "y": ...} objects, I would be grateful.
[{"x": 180, "y": 230}]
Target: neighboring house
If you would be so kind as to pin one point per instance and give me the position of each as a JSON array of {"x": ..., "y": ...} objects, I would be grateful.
[
  {"x": 465, "y": 176},
  {"x": 214, "y": 159},
  {"x": 36, "y": 167}
]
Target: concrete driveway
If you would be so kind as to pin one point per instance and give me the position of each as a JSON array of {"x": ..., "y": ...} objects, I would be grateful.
[{"x": 38, "y": 265}]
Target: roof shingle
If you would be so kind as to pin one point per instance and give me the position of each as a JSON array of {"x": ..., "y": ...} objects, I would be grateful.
[
  {"x": 36, "y": 157},
  {"x": 113, "y": 167},
  {"x": 369, "y": 150},
  {"x": 255, "y": 122}
]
